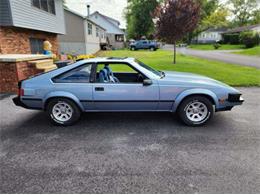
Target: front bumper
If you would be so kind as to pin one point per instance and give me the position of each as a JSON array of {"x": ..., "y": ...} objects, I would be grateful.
[{"x": 235, "y": 98}]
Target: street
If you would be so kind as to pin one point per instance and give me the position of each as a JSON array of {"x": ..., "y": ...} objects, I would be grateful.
[
  {"x": 131, "y": 152},
  {"x": 219, "y": 55}
]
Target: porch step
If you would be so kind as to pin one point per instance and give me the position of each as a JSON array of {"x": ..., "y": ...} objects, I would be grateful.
[{"x": 45, "y": 65}]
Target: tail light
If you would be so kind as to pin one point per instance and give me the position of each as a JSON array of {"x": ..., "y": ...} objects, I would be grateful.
[{"x": 20, "y": 92}]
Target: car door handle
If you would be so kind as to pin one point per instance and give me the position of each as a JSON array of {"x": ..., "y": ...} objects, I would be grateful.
[{"x": 99, "y": 88}]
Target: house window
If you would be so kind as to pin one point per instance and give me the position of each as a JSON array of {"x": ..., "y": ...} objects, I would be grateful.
[
  {"x": 51, "y": 6},
  {"x": 119, "y": 38},
  {"x": 36, "y": 46},
  {"x": 89, "y": 29},
  {"x": 97, "y": 32},
  {"x": 46, "y": 5},
  {"x": 36, "y": 3}
]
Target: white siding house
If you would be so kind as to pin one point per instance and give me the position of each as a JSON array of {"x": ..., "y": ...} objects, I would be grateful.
[
  {"x": 83, "y": 36},
  {"x": 115, "y": 35},
  {"x": 255, "y": 28},
  {"x": 27, "y": 14},
  {"x": 209, "y": 36}
]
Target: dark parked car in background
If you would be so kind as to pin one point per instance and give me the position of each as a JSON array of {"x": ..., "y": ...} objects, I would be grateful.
[{"x": 144, "y": 44}]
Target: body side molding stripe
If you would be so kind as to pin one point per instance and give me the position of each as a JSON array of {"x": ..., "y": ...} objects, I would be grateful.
[
  {"x": 32, "y": 99},
  {"x": 104, "y": 101}
]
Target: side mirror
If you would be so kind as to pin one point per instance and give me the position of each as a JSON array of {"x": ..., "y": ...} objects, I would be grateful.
[{"x": 147, "y": 82}]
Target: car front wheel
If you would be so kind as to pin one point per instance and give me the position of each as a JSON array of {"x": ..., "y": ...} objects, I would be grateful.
[
  {"x": 196, "y": 110},
  {"x": 63, "y": 111}
]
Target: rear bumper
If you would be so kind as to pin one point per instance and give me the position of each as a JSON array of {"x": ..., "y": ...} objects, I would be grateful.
[{"x": 17, "y": 101}]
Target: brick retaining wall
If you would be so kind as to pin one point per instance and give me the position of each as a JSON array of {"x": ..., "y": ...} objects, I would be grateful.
[{"x": 12, "y": 72}]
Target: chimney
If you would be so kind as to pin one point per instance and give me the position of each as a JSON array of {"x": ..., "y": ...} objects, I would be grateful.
[{"x": 88, "y": 9}]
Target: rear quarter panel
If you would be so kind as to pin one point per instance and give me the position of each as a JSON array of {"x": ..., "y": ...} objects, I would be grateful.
[{"x": 39, "y": 89}]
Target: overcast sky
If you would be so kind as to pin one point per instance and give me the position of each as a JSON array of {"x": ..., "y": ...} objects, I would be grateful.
[{"x": 111, "y": 8}]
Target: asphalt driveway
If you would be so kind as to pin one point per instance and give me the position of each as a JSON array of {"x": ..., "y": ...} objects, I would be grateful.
[
  {"x": 131, "y": 152},
  {"x": 220, "y": 55}
]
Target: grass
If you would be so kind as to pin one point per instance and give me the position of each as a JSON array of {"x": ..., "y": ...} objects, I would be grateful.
[
  {"x": 234, "y": 75},
  {"x": 255, "y": 51},
  {"x": 211, "y": 47}
]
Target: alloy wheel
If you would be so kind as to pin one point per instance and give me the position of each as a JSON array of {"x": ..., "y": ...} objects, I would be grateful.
[{"x": 62, "y": 111}]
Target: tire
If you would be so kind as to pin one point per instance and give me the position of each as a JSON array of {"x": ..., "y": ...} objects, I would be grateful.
[
  {"x": 196, "y": 110},
  {"x": 152, "y": 49},
  {"x": 63, "y": 112},
  {"x": 133, "y": 48}
]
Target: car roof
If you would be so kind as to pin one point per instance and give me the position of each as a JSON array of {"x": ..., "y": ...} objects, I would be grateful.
[{"x": 108, "y": 59}]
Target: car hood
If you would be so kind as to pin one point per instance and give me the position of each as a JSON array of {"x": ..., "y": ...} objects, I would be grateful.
[{"x": 182, "y": 78}]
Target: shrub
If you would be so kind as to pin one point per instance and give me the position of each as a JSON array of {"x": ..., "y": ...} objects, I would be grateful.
[
  {"x": 249, "y": 38},
  {"x": 85, "y": 56},
  {"x": 79, "y": 57},
  {"x": 216, "y": 45},
  {"x": 231, "y": 38}
]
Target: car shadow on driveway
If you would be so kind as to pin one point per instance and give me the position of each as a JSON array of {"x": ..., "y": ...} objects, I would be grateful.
[{"x": 140, "y": 123}]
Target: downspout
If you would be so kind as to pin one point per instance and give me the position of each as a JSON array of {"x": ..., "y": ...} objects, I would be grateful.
[
  {"x": 86, "y": 28},
  {"x": 85, "y": 21}
]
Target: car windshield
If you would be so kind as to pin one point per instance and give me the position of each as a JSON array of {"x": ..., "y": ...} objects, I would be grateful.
[{"x": 156, "y": 72}]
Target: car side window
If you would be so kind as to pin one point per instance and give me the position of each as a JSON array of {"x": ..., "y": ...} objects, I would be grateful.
[
  {"x": 77, "y": 75},
  {"x": 117, "y": 73}
]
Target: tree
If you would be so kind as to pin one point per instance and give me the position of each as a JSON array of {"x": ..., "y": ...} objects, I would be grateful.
[
  {"x": 217, "y": 19},
  {"x": 256, "y": 17},
  {"x": 176, "y": 18},
  {"x": 207, "y": 8},
  {"x": 139, "y": 18},
  {"x": 244, "y": 11}
]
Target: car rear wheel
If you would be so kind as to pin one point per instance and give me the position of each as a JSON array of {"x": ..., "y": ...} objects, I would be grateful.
[
  {"x": 196, "y": 110},
  {"x": 152, "y": 49},
  {"x": 133, "y": 48},
  {"x": 63, "y": 111}
]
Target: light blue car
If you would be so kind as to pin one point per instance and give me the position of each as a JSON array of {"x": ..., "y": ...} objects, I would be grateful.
[{"x": 124, "y": 85}]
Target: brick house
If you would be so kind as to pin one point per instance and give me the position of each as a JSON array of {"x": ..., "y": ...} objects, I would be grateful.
[{"x": 24, "y": 25}]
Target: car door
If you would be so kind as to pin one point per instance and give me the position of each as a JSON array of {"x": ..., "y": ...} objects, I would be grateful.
[
  {"x": 145, "y": 44},
  {"x": 139, "y": 45},
  {"x": 126, "y": 96}
]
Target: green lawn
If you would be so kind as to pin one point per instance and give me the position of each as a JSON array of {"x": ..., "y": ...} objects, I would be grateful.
[
  {"x": 255, "y": 51},
  {"x": 211, "y": 47},
  {"x": 234, "y": 75}
]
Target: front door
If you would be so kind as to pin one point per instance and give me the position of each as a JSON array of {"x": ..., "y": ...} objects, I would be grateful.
[
  {"x": 128, "y": 93},
  {"x": 145, "y": 44}
]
